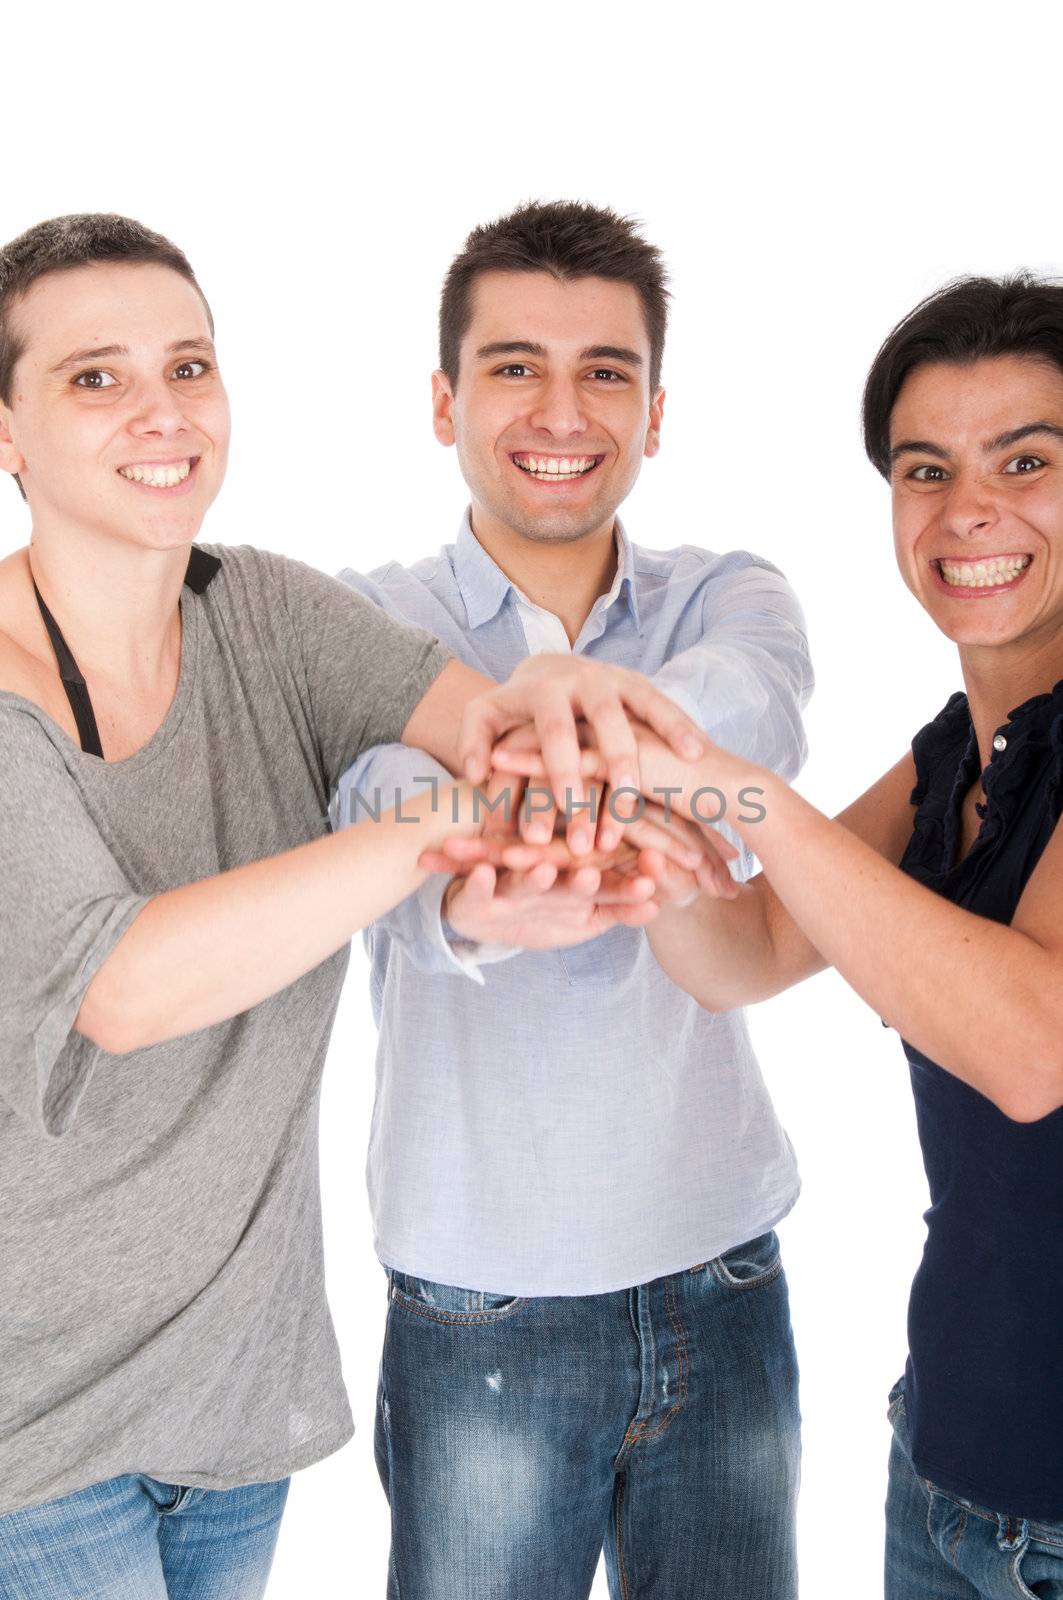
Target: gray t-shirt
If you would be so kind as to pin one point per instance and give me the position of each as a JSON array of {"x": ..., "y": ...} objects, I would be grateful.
[{"x": 162, "y": 1301}]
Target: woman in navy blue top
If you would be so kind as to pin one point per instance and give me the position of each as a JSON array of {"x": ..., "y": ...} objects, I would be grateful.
[{"x": 937, "y": 895}]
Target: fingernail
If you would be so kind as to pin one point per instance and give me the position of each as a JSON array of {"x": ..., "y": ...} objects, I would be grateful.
[{"x": 581, "y": 841}]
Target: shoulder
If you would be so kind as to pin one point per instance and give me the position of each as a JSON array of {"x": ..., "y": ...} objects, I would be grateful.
[
  {"x": 396, "y": 587},
  {"x": 706, "y": 572}
]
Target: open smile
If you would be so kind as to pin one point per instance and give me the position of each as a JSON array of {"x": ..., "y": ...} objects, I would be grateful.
[
  {"x": 555, "y": 469},
  {"x": 971, "y": 578},
  {"x": 161, "y": 477}
]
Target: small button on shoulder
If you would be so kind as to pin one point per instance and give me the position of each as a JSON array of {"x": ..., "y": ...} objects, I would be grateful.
[{"x": 1000, "y": 743}]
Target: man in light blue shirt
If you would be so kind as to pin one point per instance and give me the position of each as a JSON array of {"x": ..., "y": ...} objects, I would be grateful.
[{"x": 574, "y": 1171}]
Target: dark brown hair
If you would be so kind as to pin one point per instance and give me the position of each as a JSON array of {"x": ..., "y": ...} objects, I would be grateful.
[
  {"x": 968, "y": 320},
  {"x": 67, "y": 242},
  {"x": 569, "y": 239}
]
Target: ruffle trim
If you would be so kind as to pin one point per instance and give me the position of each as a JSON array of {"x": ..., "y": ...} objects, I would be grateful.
[{"x": 946, "y": 762}]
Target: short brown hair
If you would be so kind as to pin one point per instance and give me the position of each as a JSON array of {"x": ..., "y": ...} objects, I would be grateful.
[
  {"x": 63, "y": 243},
  {"x": 569, "y": 239}
]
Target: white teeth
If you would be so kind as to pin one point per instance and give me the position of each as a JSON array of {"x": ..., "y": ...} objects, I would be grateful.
[
  {"x": 160, "y": 476},
  {"x": 556, "y": 466},
  {"x": 983, "y": 574}
]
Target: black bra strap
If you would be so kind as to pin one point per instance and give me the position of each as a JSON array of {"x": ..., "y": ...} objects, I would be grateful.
[
  {"x": 202, "y": 569},
  {"x": 73, "y": 683}
]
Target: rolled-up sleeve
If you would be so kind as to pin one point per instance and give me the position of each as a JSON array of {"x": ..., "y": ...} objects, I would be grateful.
[{"x": 65, "y": 905}]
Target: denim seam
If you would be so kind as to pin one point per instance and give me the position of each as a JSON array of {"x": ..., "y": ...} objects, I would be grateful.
[
  {"x": 721, "y": 1274},
  {"x": 639, "y": 1431},
  {"x": 957, "y": 1538},
  {"x": 625, "y": 1590},
  {"x": 385, "y": 1419},
  {"x": 459, "y": 1318},
  {"x": 1021, "y": 1587}
]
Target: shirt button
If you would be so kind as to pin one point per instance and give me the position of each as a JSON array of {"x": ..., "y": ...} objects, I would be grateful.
[{"x": 1000, "y": 743}]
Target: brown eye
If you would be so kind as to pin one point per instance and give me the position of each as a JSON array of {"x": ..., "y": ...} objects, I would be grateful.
[
  {"x": 1022, "y": 465},
  {"x": 190, "y": 369},
  {"x": 928, "y": 474},
  {"x": 94, "y": 379}
]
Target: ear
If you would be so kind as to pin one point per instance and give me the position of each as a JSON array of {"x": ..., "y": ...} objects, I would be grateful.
[
  {"x": 442, "y": 408},
  {"x": 653, "y": 426},
  {"x": 11, "y": 458}
]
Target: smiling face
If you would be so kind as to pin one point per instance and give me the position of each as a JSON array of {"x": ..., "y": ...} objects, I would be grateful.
[
  {"x": 118, "y": 422},
  {"x": 553, "y": 414},
  {"x": 977, "y": 481}
]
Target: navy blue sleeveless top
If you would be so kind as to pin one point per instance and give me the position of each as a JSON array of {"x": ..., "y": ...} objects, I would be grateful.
[{"x": 984, "y": 1383}]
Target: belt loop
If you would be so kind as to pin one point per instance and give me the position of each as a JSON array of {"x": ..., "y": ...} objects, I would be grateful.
[{"x": 1012, "y": 1532}]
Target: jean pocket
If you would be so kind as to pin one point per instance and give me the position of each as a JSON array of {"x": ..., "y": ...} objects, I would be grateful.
[
  {"x": 895, "y": 1402},
  {"x": 443, "y": 1302},
  {"x": 750, "y": 1265}
]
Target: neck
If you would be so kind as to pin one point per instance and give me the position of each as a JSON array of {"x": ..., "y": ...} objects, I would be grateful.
[
  {"x": 563, "y": 576},
  {"x": 117, "y": 604},
  {"x": 999, "y": 679}
]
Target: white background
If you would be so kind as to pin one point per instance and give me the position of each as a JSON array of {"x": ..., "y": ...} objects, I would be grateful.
[{"x": 810, "y": 173}]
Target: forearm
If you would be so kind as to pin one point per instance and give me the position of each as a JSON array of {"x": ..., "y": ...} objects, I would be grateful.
[
  {"x": 978, "y": 997},
  {"x": 210, "y": 950},
  {"x": 721, "y": 951},
  {"x": 435, "y": 724}
]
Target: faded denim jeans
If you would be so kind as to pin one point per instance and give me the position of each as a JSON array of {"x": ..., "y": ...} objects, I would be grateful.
[
  {"x": 133, "y": 1538},
  {"x": 942, "y": 1547},
  {"x": 516, "y": 1437}
]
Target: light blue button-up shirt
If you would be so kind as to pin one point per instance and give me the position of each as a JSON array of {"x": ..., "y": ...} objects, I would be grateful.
[{"x": 571, "y": 1122}]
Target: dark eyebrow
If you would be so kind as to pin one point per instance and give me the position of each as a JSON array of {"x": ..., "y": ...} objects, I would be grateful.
[
  {"x": 611, "y": 352},
  {"x": 921, "y": 447},
  {"x": 1003, "y": 440},
  {"x": 509, "y": 347},
  {"x": 79, "y": 357},
  {"x": 525, "y": 347}
]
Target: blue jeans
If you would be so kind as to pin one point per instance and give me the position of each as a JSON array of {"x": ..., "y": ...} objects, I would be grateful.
[
  {"x": 133, "y": 1538},
  {"x": 942, "y": 1547},
  {"x": 516, "y": 1436}
]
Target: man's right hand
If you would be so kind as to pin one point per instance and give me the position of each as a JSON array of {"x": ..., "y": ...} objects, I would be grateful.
[{"x": 534, "y": 910}]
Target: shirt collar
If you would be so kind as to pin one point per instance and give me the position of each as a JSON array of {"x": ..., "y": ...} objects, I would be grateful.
[{"x": 484, "y": 586}]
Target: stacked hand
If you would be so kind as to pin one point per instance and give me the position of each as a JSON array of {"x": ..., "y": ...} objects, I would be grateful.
[{"x": 581, "y": 851}]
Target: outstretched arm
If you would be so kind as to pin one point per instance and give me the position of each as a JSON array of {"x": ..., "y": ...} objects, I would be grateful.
[
  {"x": 729, "y": 953},
  {"x": 207, "y": 951}
]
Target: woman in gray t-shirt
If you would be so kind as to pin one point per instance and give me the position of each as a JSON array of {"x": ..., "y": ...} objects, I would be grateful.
[{"x": 163, "y": 1326}]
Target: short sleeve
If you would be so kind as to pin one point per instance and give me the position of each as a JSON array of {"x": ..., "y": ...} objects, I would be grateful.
[
  {"x": 366, "y": 672},
  {"x": 64, "y": 905}
]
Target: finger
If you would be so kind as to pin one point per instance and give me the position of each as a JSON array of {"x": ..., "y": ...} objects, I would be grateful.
[
  {"x": 626, "y": 916},
  {"x": 465, "y": 850},
  {"x": 536, "y": 813},
  {"x": 436, "y": 861},
  {"x": 661, "y": 714},
  {"x": 555, "y": 722},
  {"x": 479, "y": 887},
  {"x": 674, "y": 886},
  {"x": 615, "y": 739},
  {"x": 647, "y": 835},
  {"x": 715, "y": 879},
  {"x": 617, "y": 888},
  {"x": 530, "y": 763},
  {"x": 483, "y": 722},
  {"x": 526, "y": 885}
]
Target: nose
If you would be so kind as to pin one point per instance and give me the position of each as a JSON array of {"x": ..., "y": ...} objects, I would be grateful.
[
  {"x": 969, "y": 507},
  {"x": 157, "y": 411},
  {"x": 558, "y": 410}
]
